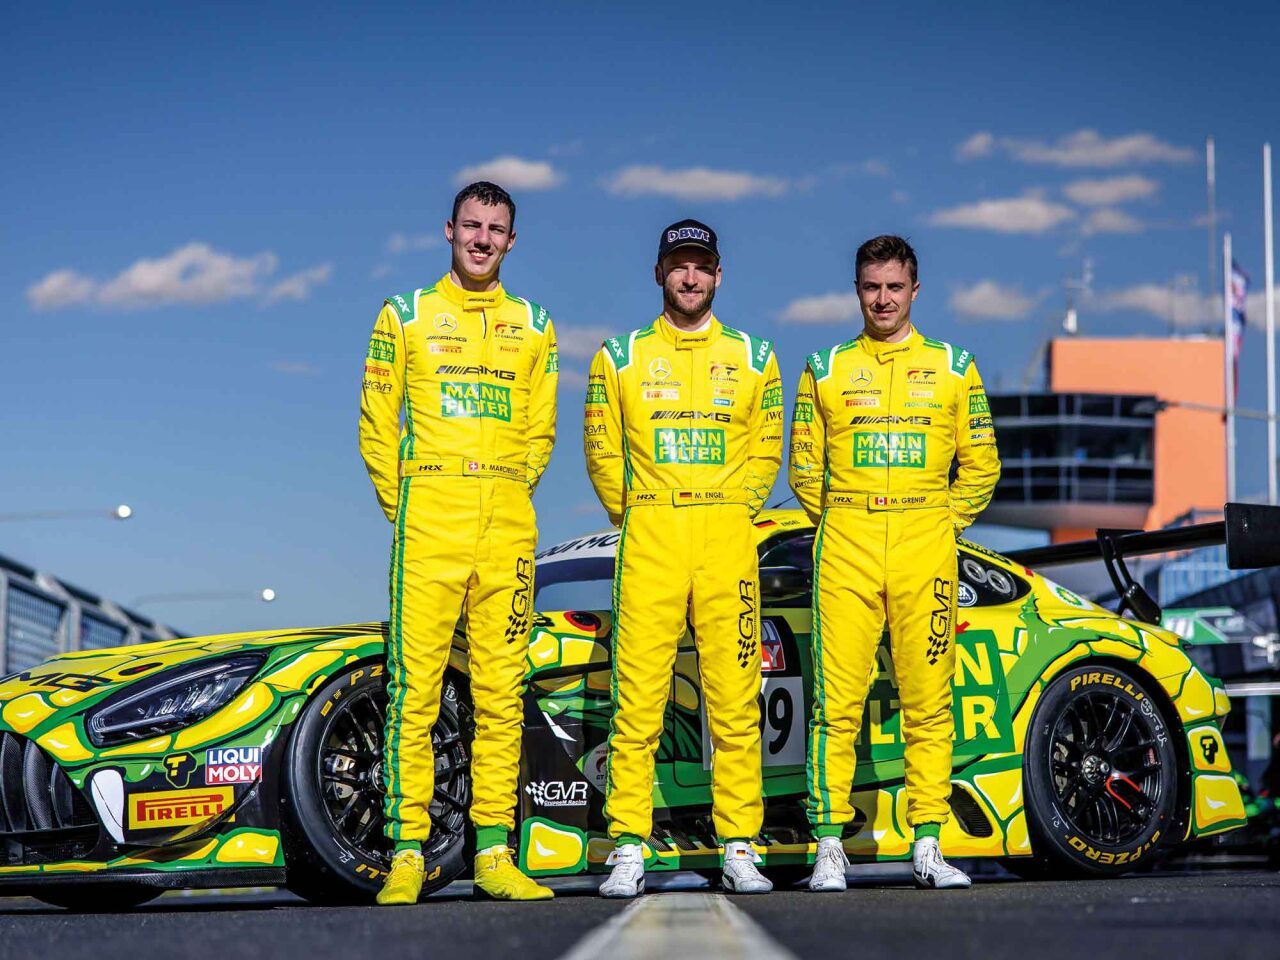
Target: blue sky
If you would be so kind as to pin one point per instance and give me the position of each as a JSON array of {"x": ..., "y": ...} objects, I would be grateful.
[{"x": 204, "y": 207}]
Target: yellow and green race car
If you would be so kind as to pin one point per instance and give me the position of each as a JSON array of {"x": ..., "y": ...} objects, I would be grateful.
[{"x": 1085, "y": 742}]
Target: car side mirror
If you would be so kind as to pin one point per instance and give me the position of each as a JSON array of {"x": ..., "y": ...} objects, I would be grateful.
[{"x": 782, "y": 583}]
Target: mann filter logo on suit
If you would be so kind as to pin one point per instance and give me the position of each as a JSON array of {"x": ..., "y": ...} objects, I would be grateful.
[
  {"x": 177, "y": 808},
  {"x": 383, "y": 350},
  {"x": 978, "y": 403},
  {"x": 461, "y": 399},
  {"x": 804, "y": 411},
  {"x": 596, "y": 394},
  {"x": 232, "y": 765},
  {"x": 771, "y": 398},
  {"x": 890, "y": 449},
  {"x": 689, "y": 446}
]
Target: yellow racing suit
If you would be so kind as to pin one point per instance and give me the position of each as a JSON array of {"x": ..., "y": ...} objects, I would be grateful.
[
  {"x": 475, "y": 374},
  {"x": 874, "y": 432},
  {"x": 683, "y": 437}
]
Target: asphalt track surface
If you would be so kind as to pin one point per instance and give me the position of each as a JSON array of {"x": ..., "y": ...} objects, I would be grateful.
[{"x": 1171, "y": 914}]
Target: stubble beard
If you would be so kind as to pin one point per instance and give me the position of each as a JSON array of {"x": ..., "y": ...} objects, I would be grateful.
[{"x": 673, "y": 304}]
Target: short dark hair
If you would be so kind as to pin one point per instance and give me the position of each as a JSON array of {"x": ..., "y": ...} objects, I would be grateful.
[
  {"x": 490, "y": 194},
  {"x": 884, "y": 249}
]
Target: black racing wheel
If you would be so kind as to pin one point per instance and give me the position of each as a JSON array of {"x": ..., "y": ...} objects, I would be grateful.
[
  {"x": 335, "y": 850},
  {"x": 1100, "y": 776}
]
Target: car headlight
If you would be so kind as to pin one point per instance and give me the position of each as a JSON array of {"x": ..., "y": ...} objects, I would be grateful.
[{"x": 171, "y": 700}]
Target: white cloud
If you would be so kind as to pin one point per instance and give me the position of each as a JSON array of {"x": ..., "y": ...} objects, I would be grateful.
[
  {"x": 61, "y": 289},
  {"x": 380, "y": 271},
  {"x": 1084, "y": 148},
  {"x": 1110, "y": 220},
  {"x": 399, "y": 243},
  {"x": 866, "y": 168},
  {"x": 979, "y": 145},
  {"x": 1168, "y": 302},
  {"x": 693, "y": 183},
  {"x": 1180, "y": 305},
  {"x": 295, "y": 368},
  {"x": 581, "y": 343},
  {"x": 572, "y": 379},
  {"x": 1111, "y": 190},
  {"x": 1029, "y": 213},
  {"x": 299, "y": 285},
  {"x": 989, "y": 300},
  {"x": 825, "y": 308},
  {"x": 194, "y": 274},
  {"x": 512, "y": 173}
]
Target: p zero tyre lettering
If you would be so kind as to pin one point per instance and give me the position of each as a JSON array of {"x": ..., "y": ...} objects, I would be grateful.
[
  {"x": 1100, "y": 772},
  {"x": 333, "y": 784}
]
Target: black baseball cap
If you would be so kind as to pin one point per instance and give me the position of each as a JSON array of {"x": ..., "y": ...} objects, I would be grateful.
[{"x": 688, "y": 233}]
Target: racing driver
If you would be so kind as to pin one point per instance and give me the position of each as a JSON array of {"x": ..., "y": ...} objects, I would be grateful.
[
  {"x": 474, "y": 369},
  {"x": 683, "y": 440},
  {"x": 877, "y": 423}
]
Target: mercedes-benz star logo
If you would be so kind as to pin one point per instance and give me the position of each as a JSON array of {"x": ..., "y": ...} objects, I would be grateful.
[
  {"x": 860, "y": 377},
  {"x": 659, "y": 369},
  {"x": 446, "y": 322}
]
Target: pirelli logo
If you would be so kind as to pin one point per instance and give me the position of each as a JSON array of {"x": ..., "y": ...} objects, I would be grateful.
[{"x": 177, "y": 808}]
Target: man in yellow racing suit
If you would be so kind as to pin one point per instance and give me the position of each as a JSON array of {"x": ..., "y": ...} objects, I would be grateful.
[
  {"x": 683, "y": 438},
  {"x": 475, "y": 372},
  {"x": 878, "y": 421}
]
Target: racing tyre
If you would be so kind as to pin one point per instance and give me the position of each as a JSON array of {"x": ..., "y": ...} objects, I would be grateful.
[
  {"x": 1100, "y": 775},
  {"x": 98, "y": 897},
  {"x": 335, "y": 849}
]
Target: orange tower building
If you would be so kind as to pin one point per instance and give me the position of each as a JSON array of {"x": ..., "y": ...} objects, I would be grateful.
[{"x": 1112, "y": 445}]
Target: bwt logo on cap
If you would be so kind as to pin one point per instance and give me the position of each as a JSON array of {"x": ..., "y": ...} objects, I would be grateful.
[{"x": 688, "y": 233}]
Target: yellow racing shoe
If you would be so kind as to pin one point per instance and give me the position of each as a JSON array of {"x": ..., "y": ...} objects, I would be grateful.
[
  {"x": 404, "y": 882},
  {"x": 498, "y": 877}
]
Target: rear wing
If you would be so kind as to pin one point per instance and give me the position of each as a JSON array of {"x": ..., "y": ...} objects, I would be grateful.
[{"x": 1251, "y": 532}]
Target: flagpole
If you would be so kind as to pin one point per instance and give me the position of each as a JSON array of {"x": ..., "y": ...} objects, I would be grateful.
[
  {"x": 1211, "y": 178},
  {"x": 1270, "y": 295},
  {"x": 1228, "y": 366}
]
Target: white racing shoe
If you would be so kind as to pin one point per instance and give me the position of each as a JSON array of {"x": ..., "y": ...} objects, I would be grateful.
[
  {"x": 627, "y": 878},
  {"x": 829, "y": 866},
  {"x": 740, "y": 874},
  {"x": 931, "y": 871}
]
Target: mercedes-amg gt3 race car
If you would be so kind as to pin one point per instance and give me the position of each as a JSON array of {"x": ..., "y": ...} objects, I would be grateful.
[{"x": 1085, "y": 743}]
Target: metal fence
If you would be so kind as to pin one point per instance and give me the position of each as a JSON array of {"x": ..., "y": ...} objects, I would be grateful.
[{"x": 42, "y": 616}]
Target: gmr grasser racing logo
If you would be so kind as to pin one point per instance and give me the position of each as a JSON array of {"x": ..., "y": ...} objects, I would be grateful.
[{"x": 557, "y": 793}]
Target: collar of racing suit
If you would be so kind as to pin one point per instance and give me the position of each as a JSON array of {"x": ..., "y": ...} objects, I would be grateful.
[
  {"x": 684, "y": 340},
  {"x": 468, "y": 300},
  {"x": 883, "y": 351}
]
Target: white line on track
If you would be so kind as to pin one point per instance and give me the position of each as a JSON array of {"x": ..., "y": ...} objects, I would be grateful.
[{"x": 671, "y": 925}]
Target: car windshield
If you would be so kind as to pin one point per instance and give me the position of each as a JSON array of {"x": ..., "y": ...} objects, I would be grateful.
[{"x": 584, "y": 583}]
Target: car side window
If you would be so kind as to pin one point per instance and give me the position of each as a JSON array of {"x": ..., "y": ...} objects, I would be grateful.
[{"x": 789, "y": 550}]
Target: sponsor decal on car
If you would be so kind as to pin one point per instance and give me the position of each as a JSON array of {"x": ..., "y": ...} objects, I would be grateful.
[
  {"x": 557, "y": 793},
  {"x": 232, "y": 765},
  {"x": 177, "y": 808}
]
